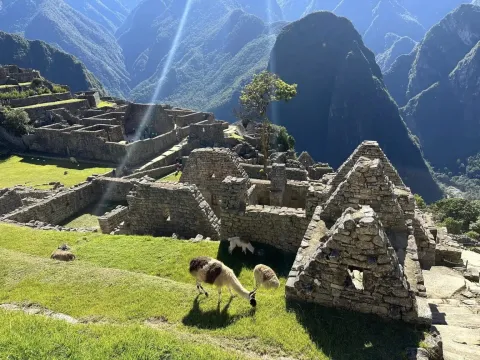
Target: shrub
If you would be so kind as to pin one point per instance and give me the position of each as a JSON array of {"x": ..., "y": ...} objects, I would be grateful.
[
  {"x": 16, "y": 122},
  {"x": 36, "y": 83},
  {"x": 473, "y": 235},
  {"x": 475, "y": 226},
  {"x": 420, "y": 202},
  {"x": 453, "y": 226},
  {"x": 284, "y": 139},
  {"x": 462, "y": 210},
  {"x": 58, "y": 89}
]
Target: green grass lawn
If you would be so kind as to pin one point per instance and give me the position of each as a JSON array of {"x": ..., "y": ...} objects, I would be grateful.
[
  {"x": 125, "y": 280},
  {"x": 51, "y": 103},
  {"x": 102, "y": 104},
  {"x": 36, "y": 172},
  {"x": 172, "y": 177}
]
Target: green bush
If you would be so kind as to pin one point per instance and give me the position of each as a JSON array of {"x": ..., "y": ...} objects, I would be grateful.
[
  {"x": 37, "y": 83},
  {"x": 284, "y": 140},
  {"x": 453, "y": 226},
  {"x": 473, "y": 235},
  {"x": 16, "y": 122},
  {"x": 58, "y": 89},
  {"x": 461, "y": 210},
  {"x": 420, "y": 202},
  {"x": 475, "y": 226}
]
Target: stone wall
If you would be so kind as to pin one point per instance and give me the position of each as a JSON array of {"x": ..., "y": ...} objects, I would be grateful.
[
  {"x": 93, "y": 97},
  {"x": 9, "y": 201},
  {"x": 353, "y": 266},
  {"x": 18, "y": 74},
  {"x": 370, "y": 150},
  {"x": 426, "y": 243},
  {"x": 317, "y": 194},
  {"x": 367, "y": 184},
  {"x": 317, "y": 172},
  {"x": 40, "y": 113},
  {"x": 156, "y": 173},
  {"x": 184, "y": 120},
  {"x": 165, "y": 208},
  {"x": 114, "y": 190},
  {"x": 112, "y": 220},
  {"x": 40, "y": 99},
  {"x": 209, "y": 134},
  {"x": 207, "y": 167},
  {"x": 280, "y": 227},
  {"x": 254, "y": 172},
  {"x": 151, "y": 115},
  {"x": 61, "y": 207}
]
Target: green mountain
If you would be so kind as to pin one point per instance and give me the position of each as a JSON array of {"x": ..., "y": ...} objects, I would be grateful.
[
  {"x": 342, "y": 99},
  {"x": 55, "y": 65},
  {"x": 219, "y": 49},
  {"x": 57, "y": 23},
  {"x": 108, "y": 13},
  {"x": 442, "y": 92}
]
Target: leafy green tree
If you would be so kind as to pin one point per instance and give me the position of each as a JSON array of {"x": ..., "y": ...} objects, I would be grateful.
[
  {"x": 475, "y": 226},
  {"x": 453, "y": 226},
  {"x": 462, "y": 210},
  {"x": 255, "y": 99},
  {"x": 284, "y": 139},
  {"x": 16, "y": 122},
  {"x": 473, "y": 235}
]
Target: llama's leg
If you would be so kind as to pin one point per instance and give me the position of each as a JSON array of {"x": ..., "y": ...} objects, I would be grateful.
[
  {"x": 231, "y": 292},
  {"x": 201, "y": 289},
  {"x": 219, "y": 294},
  {"x": 231, "y": 247}
]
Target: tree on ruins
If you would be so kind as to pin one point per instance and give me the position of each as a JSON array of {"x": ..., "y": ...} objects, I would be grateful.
[{"x": 255, "y": 99}]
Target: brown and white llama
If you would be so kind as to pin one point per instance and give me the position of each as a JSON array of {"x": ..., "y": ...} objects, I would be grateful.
[
  {"x": 266, "y": 277},
  {"x": 211, "y": 271}
]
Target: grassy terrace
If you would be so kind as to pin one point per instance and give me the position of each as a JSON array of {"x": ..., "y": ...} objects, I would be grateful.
[
  {"x": 172, "y": 177},
  {"x": 137, "y": 300},
  {"x": 14, "y": 86},
  {"x": 51, "y": 103},
  {"x": 37, "y": 172}
]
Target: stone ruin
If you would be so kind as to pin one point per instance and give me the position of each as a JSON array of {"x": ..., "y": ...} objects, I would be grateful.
[
  {"x": 354, "y": 266},
  {"x": 360, "y": 240}
]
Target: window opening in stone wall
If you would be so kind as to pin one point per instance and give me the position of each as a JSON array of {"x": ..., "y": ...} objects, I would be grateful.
[
  {"x": 166, "y": 215},
  {"x": 354, "y": 278}
]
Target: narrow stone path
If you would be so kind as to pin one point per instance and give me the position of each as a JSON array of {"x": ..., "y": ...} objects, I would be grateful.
[{"x": 455, "y": 305}]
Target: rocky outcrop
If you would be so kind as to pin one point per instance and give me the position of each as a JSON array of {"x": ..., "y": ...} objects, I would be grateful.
[
  {"x": 351, "y": 103},
  {"x": 400, "y": 46}
]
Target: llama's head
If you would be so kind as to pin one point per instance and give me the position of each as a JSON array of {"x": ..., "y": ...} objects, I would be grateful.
[{"x": 253, "y": 301}]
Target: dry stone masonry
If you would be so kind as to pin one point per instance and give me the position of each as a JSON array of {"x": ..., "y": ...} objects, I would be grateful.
[{"x": 354, "y": 267}]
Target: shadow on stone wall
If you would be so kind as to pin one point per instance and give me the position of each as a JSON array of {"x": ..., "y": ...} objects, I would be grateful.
[{"x": 278, "y": 260}]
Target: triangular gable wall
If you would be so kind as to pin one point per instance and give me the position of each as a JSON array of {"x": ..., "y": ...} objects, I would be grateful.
[
  {"x": 366, "y": 184},
  {"x": 356, "y": 268},
  {"x": 370, "y": 150}
]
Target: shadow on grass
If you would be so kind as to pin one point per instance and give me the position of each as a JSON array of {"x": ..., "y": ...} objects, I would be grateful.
[
  {"x": 64, "y": 164},
  {"x": 213, "y": 319},
  {"x": 349, "y": 335},
  {"x": 279, "y": 261}
]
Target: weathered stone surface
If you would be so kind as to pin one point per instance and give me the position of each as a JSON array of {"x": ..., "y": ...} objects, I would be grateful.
[{"x": 348, "y": 274}]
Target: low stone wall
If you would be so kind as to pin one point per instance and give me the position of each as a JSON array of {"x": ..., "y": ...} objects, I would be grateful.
[
  {"x": 57, "y": 209},
  {"x": 316, "y": 173},
  {"x": 40, "y": 99},
  {"x": 39, "y": 113},
  {"x": 161, "y": 209},
  {"x": 208, "y": 135},
  {"x": 114, "y": 190},
  {"x": 112, "y": 220},
  {"x": 280, "y": 227},
  {"x": 142, "y": 150},
  {"x": 156, "y": 173},
  {"x": 184, "y": 120},
  {"x": 153, "y": 115},
  {"x": 254, "y": 172},
  {"x": 425, "y": 241},
  {"x": 9, "y": 201}
]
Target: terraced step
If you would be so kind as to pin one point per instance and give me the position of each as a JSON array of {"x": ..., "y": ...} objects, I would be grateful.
[{"x": 167, "y": 158}]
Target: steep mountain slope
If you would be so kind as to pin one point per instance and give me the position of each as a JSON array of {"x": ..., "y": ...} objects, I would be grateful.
[
  {"x": 267, "y": 10},
  {"x": 218, "y": 50},
  {"x": 390, "y": 17},
  {"x": 429, "y": 12},
  {"x": 437, "y": 54},
  {"x": 55, "y": 65},
  {"x": 296, "y": 9},
  {"x": 55, "y": 22},
  {"x": 444, "y": 110},
  {"x": 108, "y": 13},
  {"x": 400, "y": 46},
  {"x": 341, "y": 98}
]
